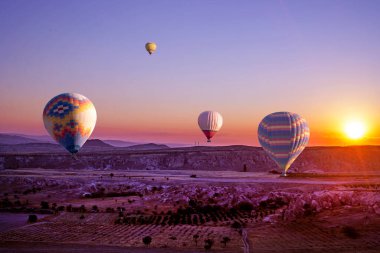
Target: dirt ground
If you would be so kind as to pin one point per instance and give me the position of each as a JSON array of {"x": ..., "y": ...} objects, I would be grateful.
[
  {"x": 63, "y": 231},
  {"x": 322, "y": 233}
]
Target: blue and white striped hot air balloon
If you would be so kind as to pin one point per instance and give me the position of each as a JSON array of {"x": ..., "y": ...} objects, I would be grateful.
[{"x": 283, "y": 135}]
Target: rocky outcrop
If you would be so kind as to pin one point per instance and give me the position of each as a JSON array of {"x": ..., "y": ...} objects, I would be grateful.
[{"x": 364, "y": 160}]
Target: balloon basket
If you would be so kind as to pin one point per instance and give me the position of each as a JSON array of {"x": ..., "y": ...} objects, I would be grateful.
[{"x": 75, "y": 157}]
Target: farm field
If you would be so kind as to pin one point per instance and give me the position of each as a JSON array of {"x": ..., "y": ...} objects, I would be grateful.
[
  {"x": 185, "y": 211},
  {"x": 189, "y": 126}
]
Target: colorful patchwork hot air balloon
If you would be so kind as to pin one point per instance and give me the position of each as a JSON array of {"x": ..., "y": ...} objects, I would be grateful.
[
  {"x": 150, "y": 47},
  {"x": 283, "y": 135},
  {"x": 210, "y": 122},
  {"x": 70, "y": 119}
]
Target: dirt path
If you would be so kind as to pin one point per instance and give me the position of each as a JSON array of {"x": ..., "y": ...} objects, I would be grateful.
[
  {"x": 245, "y": 241},
  {"x": 40, "y": 247}
]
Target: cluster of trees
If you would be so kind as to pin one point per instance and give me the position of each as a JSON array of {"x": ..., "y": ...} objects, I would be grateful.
[
  {"x": 78, "y": 209},
  {"x": 208, "y": 243},
  {"x": 188, "y": 216},
  {"x": 196, "y": 213},
  {"x": 271, "y": 203},
  {"x": 7, "y": 203},
  {"x": 365, "y": 185},
  {"x": 33, "y": 190},
  {"x": 103, "y": 194}
]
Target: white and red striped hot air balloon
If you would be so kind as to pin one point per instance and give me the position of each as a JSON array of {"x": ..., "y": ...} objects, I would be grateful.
[{"x": 210, "y": 123}]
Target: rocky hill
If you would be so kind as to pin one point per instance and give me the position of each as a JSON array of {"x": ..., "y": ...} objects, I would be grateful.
[
  {"x": 10, "y": 139},
  {"x": 91, "y": 146},
  {"x": 358, "y": 159}
]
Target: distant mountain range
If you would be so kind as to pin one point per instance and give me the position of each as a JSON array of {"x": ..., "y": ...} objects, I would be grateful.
[
  {"x": 16, "y": 138},
  {"x": 96, "y": 143},
  {"x": 15, "y": 143},
  {"x": 12, "y": 139},
  {"x": 118, "y": 143}
]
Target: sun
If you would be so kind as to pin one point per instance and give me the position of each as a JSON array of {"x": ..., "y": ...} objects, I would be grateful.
[{"x": 355, "y": 130}]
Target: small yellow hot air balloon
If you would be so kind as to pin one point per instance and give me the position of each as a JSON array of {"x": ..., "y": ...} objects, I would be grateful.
[{"x": 150, "y": 47}]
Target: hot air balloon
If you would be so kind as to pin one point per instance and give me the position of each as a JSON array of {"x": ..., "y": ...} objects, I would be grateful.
[
  {"x": 70, "y": 119},
  {"x": 150, "y": 47},
  {"x": 210, "y": 122},
  {"x": 283, "y": 136}
]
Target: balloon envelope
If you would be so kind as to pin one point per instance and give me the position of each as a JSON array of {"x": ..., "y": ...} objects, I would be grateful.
[
  {"x": 283, "y": 135},
  {"x": 150, "y": 47},
  {"x": 70, "y": 119},
  {"x": 210, "y": 123}
]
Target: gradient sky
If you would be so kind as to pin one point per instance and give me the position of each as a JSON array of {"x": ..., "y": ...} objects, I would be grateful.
[{"x": 245, "y": 59}]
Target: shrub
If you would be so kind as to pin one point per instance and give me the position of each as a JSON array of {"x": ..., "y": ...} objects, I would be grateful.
[
  {"x": 225, "y": 240},
  {"x": 32, "y": 218},
  {"x": 245, "y": 206},
  {"x": 208, "y": 244},
  {"x": 236, "y": 225},
  {"x": 44, "y": 205},
  {"x": 95, "y": 209},
  {"x": 147, "y": 240},
  {"x": 350, "y": 232},
  {"x": 82, "y": 209},
  {"x": 263, "y": 204},
  {"x": 195, "y": 220},
  {"x": 195, "y": 239},
  {"x": 308, "y": 210}
]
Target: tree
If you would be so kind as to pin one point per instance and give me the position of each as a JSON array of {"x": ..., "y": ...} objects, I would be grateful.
[
  {"x": 236, "y": 225},
  {"x": 95, "y": 209},
  {"x": 245, "y": 206},
  {"x": 44, "y": 205},
  {"x": 350, "y": 232},
  {"x": 32, "y": 218},
  {"x": 245, "y": 168},
  {"x": 10, "y": 162},
  {"x": 147, "y": 240},
  {"x": 195, "y": 239},
  {"x": 225, "y": 240},
  {"x": 208, "y": 244}
]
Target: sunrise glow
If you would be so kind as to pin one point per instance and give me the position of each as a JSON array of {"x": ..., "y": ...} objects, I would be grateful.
[{"x": 355, "y": 130}]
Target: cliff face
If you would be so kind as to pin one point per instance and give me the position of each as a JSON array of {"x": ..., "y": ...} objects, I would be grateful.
[{"x": 315, "y": 159}]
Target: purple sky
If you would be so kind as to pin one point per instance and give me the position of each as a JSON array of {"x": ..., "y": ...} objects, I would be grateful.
[{"x": 245, "y": 59}]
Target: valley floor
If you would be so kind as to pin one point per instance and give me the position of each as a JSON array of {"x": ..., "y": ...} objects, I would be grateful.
[{"x": 334, "y": 213}]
